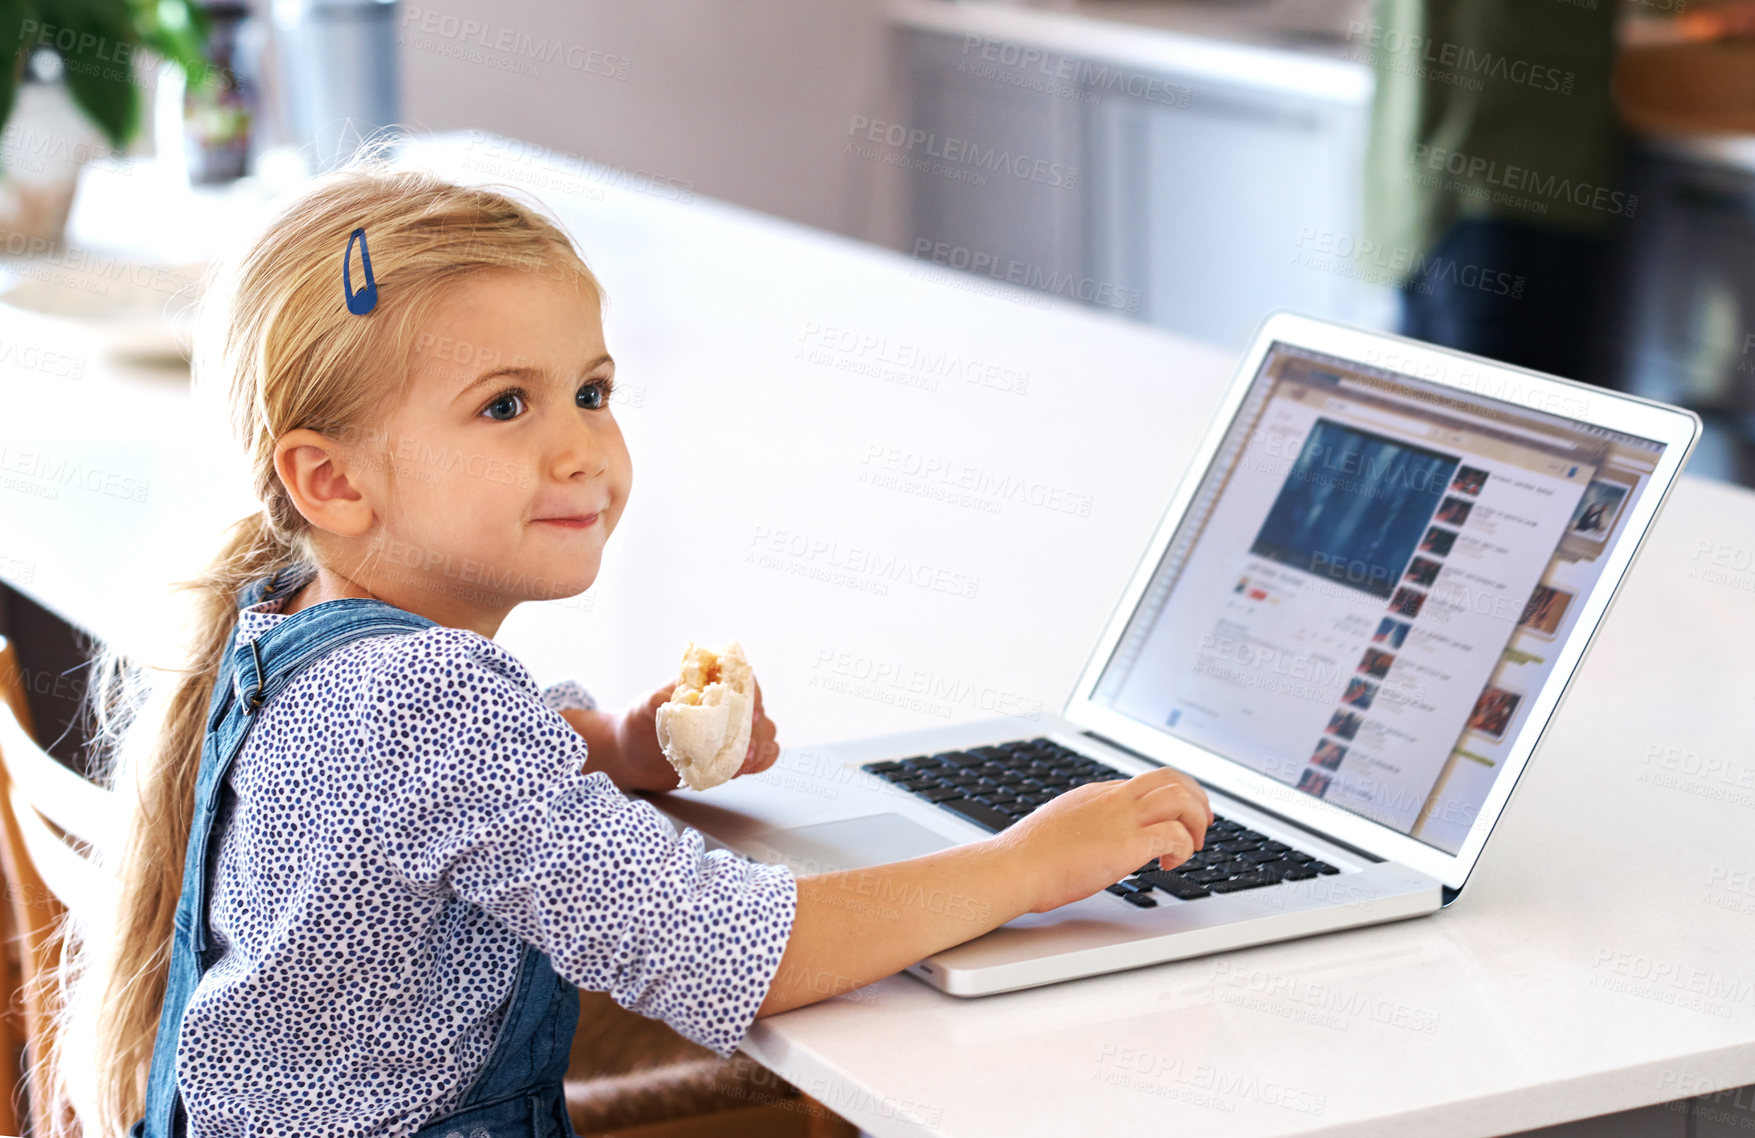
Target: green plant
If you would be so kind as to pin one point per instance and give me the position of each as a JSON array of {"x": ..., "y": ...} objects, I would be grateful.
[{"x": 96, "y": 41}]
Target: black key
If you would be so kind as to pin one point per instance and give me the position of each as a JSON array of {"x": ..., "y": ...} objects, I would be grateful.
[
  {"x": 1257, "y": 857},
  {"x": 1323, "y": 867},
  {"x": 882, "y": 768},
  {"x": 940, "y": 793},
  {"x": 1143, "y": 900},
  {"x": 1120, "y": 889},
  {"x": 979, "y": 813},
  {"x": 1247, "y": 881},
  {"x": 1209, "y": 876},
  {"x": 1274, "y": 869},
  {"x": 1299, "y": 872},
  {"x": 1173, "y": 884},
  {"x": 1277, "y": 847}
]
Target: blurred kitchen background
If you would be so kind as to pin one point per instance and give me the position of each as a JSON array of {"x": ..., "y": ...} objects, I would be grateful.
[{"x": 1191, "y": 164}]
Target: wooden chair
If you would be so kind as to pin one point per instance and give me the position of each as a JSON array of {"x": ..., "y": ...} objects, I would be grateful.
[
  {"x": 50, "y": 820},
  {"x": 12, "y": 1036},
  {"x": 636, "y": 1077}
]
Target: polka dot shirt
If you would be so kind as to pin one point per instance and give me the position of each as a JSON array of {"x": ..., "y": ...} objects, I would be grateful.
[{"x": 408, "y": 811}]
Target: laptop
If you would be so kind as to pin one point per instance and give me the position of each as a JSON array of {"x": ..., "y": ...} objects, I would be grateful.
[{"x": 1352, "y": 624}]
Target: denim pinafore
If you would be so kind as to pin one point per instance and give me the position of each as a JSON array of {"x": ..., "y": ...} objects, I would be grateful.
[{"x": 517, "y": 1093}]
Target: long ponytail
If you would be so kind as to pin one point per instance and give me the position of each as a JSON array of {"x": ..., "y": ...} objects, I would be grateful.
[{"x": 113, "y": 1011}]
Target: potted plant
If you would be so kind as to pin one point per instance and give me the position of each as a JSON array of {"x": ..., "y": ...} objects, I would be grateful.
[{"x": 70, "y": 92}]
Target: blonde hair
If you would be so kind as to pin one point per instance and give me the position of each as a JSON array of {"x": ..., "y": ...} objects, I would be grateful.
[{"x": 276, "y": 334}]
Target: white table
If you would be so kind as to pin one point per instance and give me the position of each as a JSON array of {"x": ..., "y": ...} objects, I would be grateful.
[{"x": 1597, "y": 961}]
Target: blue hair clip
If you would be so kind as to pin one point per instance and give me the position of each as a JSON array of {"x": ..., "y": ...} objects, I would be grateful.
[{"x": 361, "y": 302}]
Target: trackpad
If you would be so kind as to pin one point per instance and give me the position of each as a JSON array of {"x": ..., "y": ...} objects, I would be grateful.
[{"x": 850, "y": 843}]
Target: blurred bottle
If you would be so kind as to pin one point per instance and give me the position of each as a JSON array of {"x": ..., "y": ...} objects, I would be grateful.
[
  {"x": 219, "y": 115},
  {"x": 336, "y": 61}
]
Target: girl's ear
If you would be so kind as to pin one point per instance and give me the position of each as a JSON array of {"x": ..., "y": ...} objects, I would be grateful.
[{"x": 314, "y": 470}]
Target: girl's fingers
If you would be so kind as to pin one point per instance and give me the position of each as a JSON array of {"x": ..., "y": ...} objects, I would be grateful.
[
  {"x": 1161, "y": 777},
  {"x": 1173, "y": 802},
  {"x": 1171, "y": 839},
  {"x": 763, "y": 749}
]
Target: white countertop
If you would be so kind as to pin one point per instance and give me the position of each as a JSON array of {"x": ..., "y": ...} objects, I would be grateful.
[
  {"x": 1311, "y": 49},
  {"x": 1597, "y": 961},
  {"x": 1295, "y": 47}
]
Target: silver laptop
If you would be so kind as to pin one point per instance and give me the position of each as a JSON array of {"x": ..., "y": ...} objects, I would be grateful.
[{"x": 1359, "y": 612}]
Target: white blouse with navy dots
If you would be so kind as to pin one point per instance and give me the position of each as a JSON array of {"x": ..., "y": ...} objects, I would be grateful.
[{"x": 410, "y": 809}]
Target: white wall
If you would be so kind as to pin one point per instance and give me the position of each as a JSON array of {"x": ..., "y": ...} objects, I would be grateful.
[{"x": 749, "y": 100}]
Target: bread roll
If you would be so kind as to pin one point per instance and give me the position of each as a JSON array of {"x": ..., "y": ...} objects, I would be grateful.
[{"x": 704, "y": 727}]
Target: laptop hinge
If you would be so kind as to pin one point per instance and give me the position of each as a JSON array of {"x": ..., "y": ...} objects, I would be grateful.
[{"x": 1348, "y": 846}]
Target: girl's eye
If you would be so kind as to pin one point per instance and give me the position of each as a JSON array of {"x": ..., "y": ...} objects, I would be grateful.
[
  {"x": 594, "y": 396},
  {"x": 503, "y": 401}
]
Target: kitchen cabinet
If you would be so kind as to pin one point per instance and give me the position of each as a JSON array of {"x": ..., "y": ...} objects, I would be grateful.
[{"x": 1211, "y": 182}]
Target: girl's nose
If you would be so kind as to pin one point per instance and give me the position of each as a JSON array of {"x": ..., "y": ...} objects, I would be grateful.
[{"x": 580, "y": 449}]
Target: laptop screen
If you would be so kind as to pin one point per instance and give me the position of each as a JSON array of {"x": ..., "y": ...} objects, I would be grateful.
[{"x": 1372, "y": 583}]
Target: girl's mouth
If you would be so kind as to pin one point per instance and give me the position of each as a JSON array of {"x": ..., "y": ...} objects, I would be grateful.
[{"x": 584, "y": 522}]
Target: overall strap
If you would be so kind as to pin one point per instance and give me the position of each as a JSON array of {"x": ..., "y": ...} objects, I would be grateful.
[
  {"x": 249, "y": 676},
  {"x": 261, "y": 668},
  {"x": 255, "y": 673}
]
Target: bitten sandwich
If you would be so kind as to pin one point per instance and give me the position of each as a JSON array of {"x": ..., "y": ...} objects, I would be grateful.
[{"x": 704, "y": 727}]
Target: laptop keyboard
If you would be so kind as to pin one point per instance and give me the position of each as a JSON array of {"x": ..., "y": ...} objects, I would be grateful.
[{"x": 994, "y": 786}]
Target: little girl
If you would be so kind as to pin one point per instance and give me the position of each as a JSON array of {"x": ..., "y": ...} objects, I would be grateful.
[{"x": 369, "y": 863}]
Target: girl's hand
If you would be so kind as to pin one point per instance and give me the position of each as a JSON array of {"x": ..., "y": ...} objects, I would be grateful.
[
  {"x": 643, "y": 758},
  {"x": 1096, "y": 834},
  {"x": 764, "y": 747}
]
